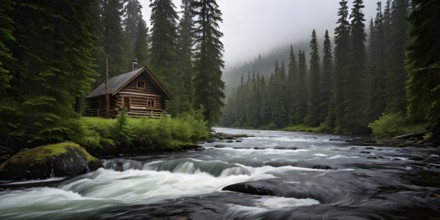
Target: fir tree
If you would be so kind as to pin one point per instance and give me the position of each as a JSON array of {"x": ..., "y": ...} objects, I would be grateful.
[
  {"x": 313, "y": 102},
  {"x": 9, "y": 110},
  {"x": 300, "y": 100},
  {"x": 112, "y": 40},
  {"x": 377, "y": 66},
  {"x": 208, "y": 85},
  {"x": 327, "y": 81},
  {"x": 163, "y": 51},
  {"x": 5, "y": 39},
  {"x": 396, "y": 73},
  {"x": 342, "y": 33},
  {"x": 423, "y": 63},
  {"x": 141, "y": 44},
  {"x": 132, "y": 18},
  {"x": 291, "y": 84},
  {"x": 354, "y": 83},
  {"x": 184, "y": 51},
  {"x": 54, "y": 66}
]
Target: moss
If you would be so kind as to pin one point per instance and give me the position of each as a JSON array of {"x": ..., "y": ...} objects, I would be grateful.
[
  {"x": 39, "y": 154},
  {"x": 62, "y": 159}
]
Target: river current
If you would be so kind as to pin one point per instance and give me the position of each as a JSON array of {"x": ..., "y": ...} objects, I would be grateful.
[{"x": 269, "y": 175}]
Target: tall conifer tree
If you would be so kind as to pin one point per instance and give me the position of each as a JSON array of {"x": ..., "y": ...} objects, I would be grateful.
[
  {"x": 291, "y": 84},
  {"x": 313, "y": 102},
  {"x": 132, "y": 18},
  {"x": 163, "y": 51},
  {"x": 423, "y": 63},
  {"x": 208, "y": 85},
  {"x": 396, "y": 73},
  {"x": 301, "y": 90},
  {"x": 140, "y": 50},
  {"x": 327, "y": 81},
  {"x": 354, "y": 83},
  {"x": 112, "y": 41},
  {"x": 185, "y": 54},
  {"x": 377, "y": 66},
  {"x": 54, "y": 66},
  {"x": 342, "y": 34}
]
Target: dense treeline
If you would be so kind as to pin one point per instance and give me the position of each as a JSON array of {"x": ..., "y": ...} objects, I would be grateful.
[
  {"x": 345, "y": 86},
  {"x": 52, "y": 53}
]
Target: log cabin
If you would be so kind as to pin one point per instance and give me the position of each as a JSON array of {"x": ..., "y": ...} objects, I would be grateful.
[{"x": 138, "y": 91}]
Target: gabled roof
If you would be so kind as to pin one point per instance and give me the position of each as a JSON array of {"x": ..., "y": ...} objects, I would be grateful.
[{"x": 116, "y": 83}]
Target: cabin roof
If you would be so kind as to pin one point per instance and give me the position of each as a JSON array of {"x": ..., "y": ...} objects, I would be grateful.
[{"x": 116, "y": 83}]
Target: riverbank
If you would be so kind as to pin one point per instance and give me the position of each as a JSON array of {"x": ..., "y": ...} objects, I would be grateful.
[{"x": 128, "y": 136}]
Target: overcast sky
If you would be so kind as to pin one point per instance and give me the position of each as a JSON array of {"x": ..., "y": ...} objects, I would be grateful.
[{"x": 253, "y": 27}]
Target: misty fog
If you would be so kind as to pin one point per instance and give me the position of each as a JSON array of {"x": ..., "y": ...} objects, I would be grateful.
[{"x": 253, "y": 27}]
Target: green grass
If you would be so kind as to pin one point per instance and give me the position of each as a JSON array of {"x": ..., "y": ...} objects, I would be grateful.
[{"x": 143, "y": 133}]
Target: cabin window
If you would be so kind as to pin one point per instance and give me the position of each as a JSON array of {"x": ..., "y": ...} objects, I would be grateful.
[
  {"x": 126, "y": 102},
  {"x": 151, "y": 103},
  {"x": 140, "y": 84}
]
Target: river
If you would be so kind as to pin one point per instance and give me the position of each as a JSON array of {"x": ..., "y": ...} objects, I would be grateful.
[{"x": 277, "y": 175}]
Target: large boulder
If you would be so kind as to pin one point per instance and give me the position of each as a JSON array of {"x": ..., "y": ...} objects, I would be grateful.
[{"x": 55, "y": 160}]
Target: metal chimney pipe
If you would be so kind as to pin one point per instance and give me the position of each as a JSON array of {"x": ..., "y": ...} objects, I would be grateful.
[{"x": 134, "y": 64}]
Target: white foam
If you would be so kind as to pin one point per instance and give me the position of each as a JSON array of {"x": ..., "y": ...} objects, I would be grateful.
[
  {"x": 320, "y": 155},
  {"x": 272, "y": 202},
  {"x": 35, "y": 181}
]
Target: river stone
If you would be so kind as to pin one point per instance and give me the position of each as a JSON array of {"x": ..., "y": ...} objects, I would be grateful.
[{"x": 59, "y": 160}]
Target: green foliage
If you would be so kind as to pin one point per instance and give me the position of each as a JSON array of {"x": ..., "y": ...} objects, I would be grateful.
[
  {"x": 313, "y": 103},
  {"x": 122, "y": 132},
  {"x": 208, "y": 64},
  {"x": 423, "y": 64},
  {"x": 163, "y": 50},
  {"x": 142, "y": 133},
  {"x": 393, "y": 124},
  {"x": 111, "y": 44},
  {"x": 6, "y": 37},
  {"x": 53, "y": 66}
]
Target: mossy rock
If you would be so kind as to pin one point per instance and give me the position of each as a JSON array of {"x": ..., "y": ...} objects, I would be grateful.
[{"x": 63, "y": 159}]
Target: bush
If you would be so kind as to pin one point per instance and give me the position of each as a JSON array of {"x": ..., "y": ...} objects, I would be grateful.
[
  {"x": 143, "y": 133},
  {"x": 388, "y": 125}
]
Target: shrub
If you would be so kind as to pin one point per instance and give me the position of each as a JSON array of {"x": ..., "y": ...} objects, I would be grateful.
[
  {"x": 143, "y": 133},
  {"x": 388, "y": 125}
]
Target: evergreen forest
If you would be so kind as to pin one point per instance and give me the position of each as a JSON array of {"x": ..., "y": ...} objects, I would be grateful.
[
  {"x": 371, "y": 73},
  {"x": 53, "y": 53}
]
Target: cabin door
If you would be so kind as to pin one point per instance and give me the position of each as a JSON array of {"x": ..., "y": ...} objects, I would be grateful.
[{"x": 126, "y": 102}]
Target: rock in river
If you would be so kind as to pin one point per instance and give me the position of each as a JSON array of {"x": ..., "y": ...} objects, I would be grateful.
[{"x": 63, "y": 159}]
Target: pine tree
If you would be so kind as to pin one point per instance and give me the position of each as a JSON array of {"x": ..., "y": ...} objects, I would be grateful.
[
  {"x": 140, "y": 51},
  {"x": 354, "y": 84},
  {"x": 112, "y": 41},
  {"x": 208, "y": 85},
  {"x": 132, "y": 18},
  {"x": 5, "y": 38},
  {"x": 423, "y": 63},
  {"x": 291, "y": 85},
  {"x": 300, "y": 105},
  {"x": 9, "y": 110},
  {"x": 54, "y": 66},
  {"x": 342, "y": 33},
  {"x": 377, "y": 66},
  {"x": 277, "y": 86},
  {"x": 185, "y": 54},
  {"x": 313, "y": 102},
  {"x": 396, "y": 73},
  {"x": 163, "y": 51},
  {"x": 327, "y": 81}
]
